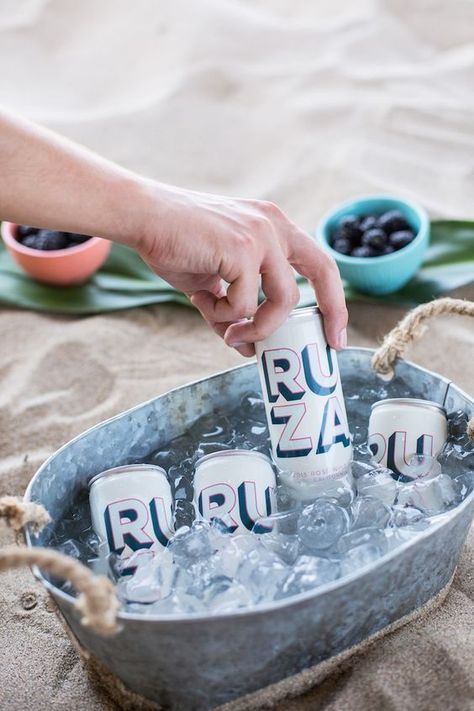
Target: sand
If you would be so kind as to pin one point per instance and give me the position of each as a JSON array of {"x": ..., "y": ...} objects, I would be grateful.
[{"x": 305, "y": 102}]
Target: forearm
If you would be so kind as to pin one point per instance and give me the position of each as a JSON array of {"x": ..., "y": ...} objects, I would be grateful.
[{"x": 48, "y": 181}]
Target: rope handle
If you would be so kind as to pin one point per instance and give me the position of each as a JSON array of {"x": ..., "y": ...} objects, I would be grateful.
[
  {"x": 97, "y": 603},
  {"x": 411, "y": 328}
]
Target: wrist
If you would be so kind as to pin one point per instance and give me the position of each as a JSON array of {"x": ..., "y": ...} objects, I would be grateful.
[{"x": 141, "y": 208}]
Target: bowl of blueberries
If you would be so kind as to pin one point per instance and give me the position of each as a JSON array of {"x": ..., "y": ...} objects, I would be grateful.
[
  {"x": 53, "y": 257},
  {"x": 378, "y": 242}
]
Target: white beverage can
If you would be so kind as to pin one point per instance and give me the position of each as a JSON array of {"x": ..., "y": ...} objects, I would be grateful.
[
  {"x": 403, "y": 427},
  {"x": 236, "y": 487},
  {"x": 131, "y": 508},
  {"x": 304, "y": 403}
]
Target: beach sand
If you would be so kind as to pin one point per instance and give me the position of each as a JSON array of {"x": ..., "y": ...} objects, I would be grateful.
[{"x": 304, "y": 102}]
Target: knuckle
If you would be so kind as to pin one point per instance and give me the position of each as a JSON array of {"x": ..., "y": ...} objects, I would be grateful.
[
  {"x": 259, "y": 224},
  {"x": 243, "y": 309},
  {"x": 245, "y": 239},
  {"x": 260, "y": 333},
  {"x": 269, "y": 208}
]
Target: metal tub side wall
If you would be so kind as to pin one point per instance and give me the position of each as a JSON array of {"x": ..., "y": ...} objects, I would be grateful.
[
  {"x": 225, "y": 657},
  {"x": 190, "y": 665}
]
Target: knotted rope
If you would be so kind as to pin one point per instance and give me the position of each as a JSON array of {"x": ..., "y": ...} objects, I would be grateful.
[
  {"x": 411, "y": 328},
  {"x": 97, "y": 603}
]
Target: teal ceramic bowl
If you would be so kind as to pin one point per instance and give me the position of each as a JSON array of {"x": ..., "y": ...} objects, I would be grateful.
[{"x": 388, "y": 273}]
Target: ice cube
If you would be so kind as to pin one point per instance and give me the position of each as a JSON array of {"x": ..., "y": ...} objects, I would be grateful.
[
  {"x": 90, "y": 540},
  {"x": 378, "y": 482},
  {"x": 223, "y": 594},
  {"x": 321, "y": 524},
  {"x": 230, "y": 597},
  {"x": 239, "y": 547},
  {"x": 372, "y": 536},
  {"x": 100, "y": 562},
  {"x": 184, "y": 513},
  {"x": 362, "y": 452},
  {"x": 262, "y": 572},
  {"x": 431, "y": 495},
  {"x": 307, "y": 573},
  {"x": 155, "y": 576},
  {"x": 279, "y": 522},
  {"x": 191, "y": 544},
  {"x": 370, "y": 511},
  {"x": 457, "y": 427},
  {"x": 303, "y": 492},
  {"x": 284, "y": 545},
  {"x": 73, "y": 549},
  {"x": 141, "y": 587},
  {"x": 422, "y": 466},
  {"x": 359, "y": 557},
  {"x": 359, "y": 468},
  {"x": 407, "y": 516},
  {"x": 183, "y": 488}
]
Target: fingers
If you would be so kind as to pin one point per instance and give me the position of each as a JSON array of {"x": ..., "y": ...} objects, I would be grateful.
[
  {"x": 238, "y": 302},
  {"x": 312, "y": 262},
  {"x": 246, "y": 349},
  {"x": 281, "y": 296}
]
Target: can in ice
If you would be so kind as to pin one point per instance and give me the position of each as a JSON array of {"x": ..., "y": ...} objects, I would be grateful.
[
  {"x": 304, "y": 402},
  {"x": 402, "y": 427},
  {"x": 237, "y": 487},
  {"x": 131, "y": 508}
]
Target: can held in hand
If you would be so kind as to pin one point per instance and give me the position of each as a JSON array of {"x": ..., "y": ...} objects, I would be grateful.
[
  {"x": 403, "y": 427},
  {"x": 236, "y": 487},
  {"x": 303, "y": 400},
  {"x": 131, "y": 508}
]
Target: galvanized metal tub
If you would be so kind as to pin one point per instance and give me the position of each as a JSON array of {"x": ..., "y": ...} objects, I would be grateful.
[{"x": 198, "y": 662}]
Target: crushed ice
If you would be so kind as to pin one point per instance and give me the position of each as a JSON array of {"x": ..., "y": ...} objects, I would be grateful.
[{"x": 348, "y": 524}]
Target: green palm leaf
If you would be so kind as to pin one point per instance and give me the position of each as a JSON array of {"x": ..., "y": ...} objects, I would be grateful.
[{"x": 126, "y": 281}]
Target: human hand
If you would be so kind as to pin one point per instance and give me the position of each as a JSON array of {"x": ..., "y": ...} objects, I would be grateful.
[
  {"x": 218, "y": 249},
  {"x": 215, "y": 249}
]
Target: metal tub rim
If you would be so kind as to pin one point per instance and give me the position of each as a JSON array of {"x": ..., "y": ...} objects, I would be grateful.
[{"x": 262, "y": 608}]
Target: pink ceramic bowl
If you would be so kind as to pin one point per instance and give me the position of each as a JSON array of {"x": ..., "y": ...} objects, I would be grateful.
[{"x": 62, "y": 267}]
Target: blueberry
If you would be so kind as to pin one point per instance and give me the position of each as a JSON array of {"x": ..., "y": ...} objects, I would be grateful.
[
  {"x": 392, "y": 221},
  {"x": 342, "y": 245},
  {"x": 75, "y": 239},
  {"x": 364, "y": 252},
  {"x": 25, "y": 231},
  {"x": 47, "y": 240},
  {"x": 388, "y": 249},
  {"x": 29, "y": 241},
  {"x": 368, "y": 223},
  {"x": 376, "y": 238},
  {"x": 349, "y": 227},
  {"x": 401, "y": 238}
]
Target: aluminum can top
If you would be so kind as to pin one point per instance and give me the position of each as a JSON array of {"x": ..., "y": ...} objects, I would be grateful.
[
  {"x": 304, "y": 312},
  {"x": 232, "y": 453},
  {"x": 126, "y": 469},
  {"x": 413, "y": 402}
]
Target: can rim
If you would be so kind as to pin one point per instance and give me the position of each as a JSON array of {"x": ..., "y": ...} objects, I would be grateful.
[
  {"x": 126, "y": 468},
  {"x": 411, "y": 401},
  {"x": 304, "y": 311},
  {"x": 232, "y": 453}
]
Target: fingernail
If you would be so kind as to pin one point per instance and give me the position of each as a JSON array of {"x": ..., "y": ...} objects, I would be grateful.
[
  {"x": 342, "y": 339},
  {"x": 236, "y": 344}
]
